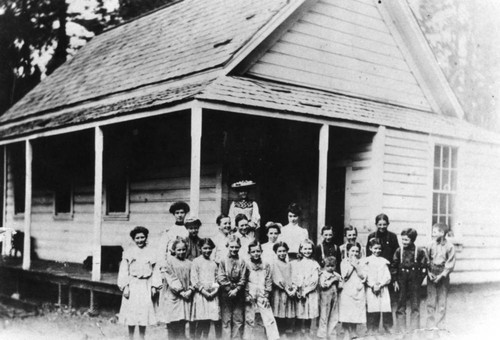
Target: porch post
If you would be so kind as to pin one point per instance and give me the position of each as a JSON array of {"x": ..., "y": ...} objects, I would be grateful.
[
  {"x": 27, "y": 206},
  {"x": 6, "y": 245},
  {"x": 96, "y": 241},
  {"x": 377, "y": 179},
  {"x": 323, "y": 174},
  {"x": 194, "y": 197}
]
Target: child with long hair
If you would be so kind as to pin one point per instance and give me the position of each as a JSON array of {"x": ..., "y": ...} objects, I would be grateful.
[
  {"x": 175, "y": 309},
  {"x": 139, "y": 283},
  {"x": 283, "y": 292},
  {"x": 305, "y": 276},
  {"x": 352, "y": 302},
  {"x": 204, "y": 281}
]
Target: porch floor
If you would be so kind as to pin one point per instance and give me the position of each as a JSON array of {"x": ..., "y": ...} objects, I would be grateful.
[{"x": 62, "y": 274}]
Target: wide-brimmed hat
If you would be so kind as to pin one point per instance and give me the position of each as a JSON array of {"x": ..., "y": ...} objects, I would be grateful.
[
  {"x": 192, "y": 222},
  {"x": 179, "y": 205},
  {"x": 244, "y": 184}
]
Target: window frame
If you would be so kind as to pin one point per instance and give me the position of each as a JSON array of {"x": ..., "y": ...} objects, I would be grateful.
[
  {"x": 117, "y": 216},
  {"x": 452, "y": 192},
  {"x": 64, "y": 215}
]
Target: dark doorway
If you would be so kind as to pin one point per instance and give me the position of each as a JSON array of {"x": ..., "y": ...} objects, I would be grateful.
[{"x": 335, "y": 202}]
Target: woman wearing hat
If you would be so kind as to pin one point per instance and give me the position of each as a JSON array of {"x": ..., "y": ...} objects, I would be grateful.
[
  {"x": 245, "y": 206},
  {"x": 179, "y": 209}
]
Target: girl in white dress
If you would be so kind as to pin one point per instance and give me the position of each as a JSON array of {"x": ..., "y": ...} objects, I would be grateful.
[
  {"x": 293, "y": 234},
  {"x": 138, "y": 282}
]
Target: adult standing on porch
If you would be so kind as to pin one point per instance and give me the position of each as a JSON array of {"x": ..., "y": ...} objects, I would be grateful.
[
  {"x": 389, "y": 243},
  {"x": 245, "y": 206},
  {"x": 179, "y": 209},
  {"x": 293, "y": 234}
]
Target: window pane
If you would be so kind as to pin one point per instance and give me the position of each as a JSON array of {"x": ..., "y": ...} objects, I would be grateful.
[
  {"x": 63, "y": 200},
  {"x": 446, "y": 157},
  {"x": 445, "y": 184},
  {"x": 18, "y": 169},
  {"x": 437, "y": 183},
  {"x": 437, "y": 156},
  {"x": 434, "y": 219},
  {"x": 453, "y": 180},
  {"x": 454, "y": 158},
  {"x": 442, "y": 204},
  {"x": 116, "y": 195},
  {"x": 435, "y": 203}
]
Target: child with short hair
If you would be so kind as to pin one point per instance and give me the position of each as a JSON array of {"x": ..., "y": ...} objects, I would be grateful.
[
  {"x": 259, "y": 285},
  {"x": 193, "y": 227},
  {"x": 273, "y": 232},
  {"x": 328, "y": 306},
  {"x": 220, "y": 240},
  {"x": 283, "y": 292},
  {"x": 378, "y": 277},
  {"x": 351, "y": 236},
  {"x": 243, "y": 233},
  {"x": 204, "y": 281},
  {"x": 175, "y": 307},
  {"x": 305, "y": 275},
  {"x": 231, "y": 277},
  {"x": 139, "y": 283},
  {"x": 352, "y": 301},
  {"x": 409, "y": 269},
  {"x": 327, "y": 247},
  {"x": 441, "y": 263}
]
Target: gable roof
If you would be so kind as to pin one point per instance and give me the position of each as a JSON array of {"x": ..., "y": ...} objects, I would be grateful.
[
  {"x": 188, "y": 37},
  {"x": 185, "y": 52}
]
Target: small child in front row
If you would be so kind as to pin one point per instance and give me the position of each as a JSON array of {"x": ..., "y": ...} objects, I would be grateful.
[
  {"x": 258, "y": 289},
  {"x": 328, "y": 306},
  {"x": 231, "y": 277},
  {"x": 378, "y": 277},
  {"x": 282, "y": 301},
  {"x": 352, "y": 301},
  {"x": 441, "y": 263},
  {"x": 205, "y": 306},
  {"x": 305, "y": 276},
  {"x": 176, "y": 307},
  {"x": 409, "y": 270}
]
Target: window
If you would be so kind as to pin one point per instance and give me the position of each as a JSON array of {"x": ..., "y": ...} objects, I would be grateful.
[
  {"x": 63, "y": 200},
  {"x": 445, "y": 184},
  {"x": 117, "y": 192}
]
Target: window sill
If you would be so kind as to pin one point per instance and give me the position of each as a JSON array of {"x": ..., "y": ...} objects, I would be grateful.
[
  {"x": 116, "y": 217},
  {"x": 63, "y": 217}
]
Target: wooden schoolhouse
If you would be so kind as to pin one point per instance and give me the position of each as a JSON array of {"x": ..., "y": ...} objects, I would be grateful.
[{"x": 338, "y": 105}]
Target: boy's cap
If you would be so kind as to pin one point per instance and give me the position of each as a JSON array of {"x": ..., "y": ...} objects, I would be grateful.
[
  {"x": 179, "y": 205},
  {"x": 192, "y": 222}
]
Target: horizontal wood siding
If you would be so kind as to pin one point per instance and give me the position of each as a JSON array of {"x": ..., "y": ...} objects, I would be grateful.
[
  {"x": 343, "y": 46},
  {"x": 478, "y": 212},
  {"x": 70, "y": 239},
  {"x": 358, "y": 195}
]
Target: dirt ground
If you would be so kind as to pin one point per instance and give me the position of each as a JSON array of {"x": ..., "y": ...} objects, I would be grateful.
[{"x": 473, "y": 312}]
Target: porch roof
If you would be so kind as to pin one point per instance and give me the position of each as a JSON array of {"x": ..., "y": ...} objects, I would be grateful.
[{"x": 288, "y": 98}]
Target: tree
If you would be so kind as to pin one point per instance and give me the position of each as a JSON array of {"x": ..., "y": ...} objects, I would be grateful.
[
  {"x": 461, "y": 35},
  {"x": 130, "y": 9},
  {"x": 34, "y": 28}
]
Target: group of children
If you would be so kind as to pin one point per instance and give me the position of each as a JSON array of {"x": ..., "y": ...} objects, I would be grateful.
[{"x": 280, "y": 287}]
